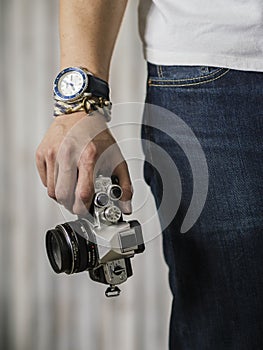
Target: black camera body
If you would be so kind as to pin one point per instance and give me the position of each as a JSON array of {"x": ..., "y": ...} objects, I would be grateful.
[{"x": 102, "y": 244}]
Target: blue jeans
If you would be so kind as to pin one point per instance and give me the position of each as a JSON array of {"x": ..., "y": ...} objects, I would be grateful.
[{"x": 216, "y": 268}]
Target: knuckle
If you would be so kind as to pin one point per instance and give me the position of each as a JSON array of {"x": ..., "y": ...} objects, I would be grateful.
[
  {"x": 39, "y": 155},
  {"x": 51, "y": 154},
  {"x": 79, "y": 210},
  {"x": 62, "y": 196},
  {"x": 127, "y": 193},
  {"x": 92, "y": 149},
  {"x": 88, "y": 157},
  {"x": 84, "y": 195},
  {"x": 66, "y": 152}
]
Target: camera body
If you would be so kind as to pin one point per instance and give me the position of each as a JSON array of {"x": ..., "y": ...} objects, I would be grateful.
[{"x": 102, "y": 244}]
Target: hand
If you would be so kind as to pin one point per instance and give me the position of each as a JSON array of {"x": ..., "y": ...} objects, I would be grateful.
[{"x": 76, "y": 148}]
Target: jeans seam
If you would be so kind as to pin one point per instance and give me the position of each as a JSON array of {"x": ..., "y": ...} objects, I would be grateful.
[
  {"x": 150, "y": 82},
  {"x": 194, "y": 78}
]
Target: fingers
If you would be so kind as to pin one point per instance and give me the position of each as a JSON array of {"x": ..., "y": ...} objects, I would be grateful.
[
  {"x": 46, "y": 168},
  {"x": 111, "y": 162},
  {"x": 66, "y": 179},
  {"x": 85, "y": 188},
  {"x": 50, "y": 173},
  {"x": 122, "y": 172},
  {"x": 71, "y": 184},
  {"x": 41, "y": 166},
  {"x": 67, "y": 160}
]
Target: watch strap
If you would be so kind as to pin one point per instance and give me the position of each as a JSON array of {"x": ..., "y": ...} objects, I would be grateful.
[{"x": 98, "y": 87}]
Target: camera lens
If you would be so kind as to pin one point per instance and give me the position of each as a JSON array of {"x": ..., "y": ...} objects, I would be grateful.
[{"x": 69, "y": 250}]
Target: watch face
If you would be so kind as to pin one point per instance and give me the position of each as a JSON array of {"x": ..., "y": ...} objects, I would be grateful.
[{"x": 70, "y": 84}]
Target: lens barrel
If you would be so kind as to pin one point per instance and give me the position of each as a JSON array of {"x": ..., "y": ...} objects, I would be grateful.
[{"x": 68, "y": 250}]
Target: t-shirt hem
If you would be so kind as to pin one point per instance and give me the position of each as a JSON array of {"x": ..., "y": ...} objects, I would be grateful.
[{"x": 202, "y": 59}]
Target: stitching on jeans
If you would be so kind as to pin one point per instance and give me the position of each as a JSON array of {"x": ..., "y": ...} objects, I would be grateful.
[
  {"x": 190, "y": 84},
  {"x": 195, "y": 78},
  {"x": 159, "y": 72}
]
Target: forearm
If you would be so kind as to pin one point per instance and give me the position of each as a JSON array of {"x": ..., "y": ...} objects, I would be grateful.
[
  {"x": 88, "y": 31},
  {"x": 74, "y": 145}
]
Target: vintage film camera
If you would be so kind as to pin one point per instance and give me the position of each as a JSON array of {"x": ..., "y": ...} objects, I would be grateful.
[{"x": 102, "y": 244}]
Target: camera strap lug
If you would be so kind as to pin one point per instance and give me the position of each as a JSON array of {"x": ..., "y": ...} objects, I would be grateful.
[{"x": 112, "y": 291}]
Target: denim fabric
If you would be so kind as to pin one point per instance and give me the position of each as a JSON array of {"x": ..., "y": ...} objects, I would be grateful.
[{"x": 216, "y": 268}]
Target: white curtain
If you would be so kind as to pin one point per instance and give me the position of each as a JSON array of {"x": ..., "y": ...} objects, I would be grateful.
[{"x": 40, "y": 310}]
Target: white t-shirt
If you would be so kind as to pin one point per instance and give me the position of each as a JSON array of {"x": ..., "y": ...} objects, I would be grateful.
[{"x": 223, "y": 33}]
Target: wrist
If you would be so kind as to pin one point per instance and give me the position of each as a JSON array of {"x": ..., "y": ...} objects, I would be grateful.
[{"x": 96, "y": 121}]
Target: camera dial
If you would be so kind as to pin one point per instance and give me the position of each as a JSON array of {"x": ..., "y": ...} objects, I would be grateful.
[{"x": 112, "y": 214}]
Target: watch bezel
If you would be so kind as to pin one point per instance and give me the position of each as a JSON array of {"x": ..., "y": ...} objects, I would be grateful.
[{"x": 75, "y": 96}]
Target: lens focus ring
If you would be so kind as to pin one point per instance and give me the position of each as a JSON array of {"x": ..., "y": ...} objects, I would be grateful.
[{"x": 69, "y": 250}]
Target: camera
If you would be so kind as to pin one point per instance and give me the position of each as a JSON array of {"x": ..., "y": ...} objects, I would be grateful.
[{"x": 101, "y": 243}]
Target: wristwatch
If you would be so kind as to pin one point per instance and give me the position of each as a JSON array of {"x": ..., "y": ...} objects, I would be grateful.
[{"x": 75, "y": 83}]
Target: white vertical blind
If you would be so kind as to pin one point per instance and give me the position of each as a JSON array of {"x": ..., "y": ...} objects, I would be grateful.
[{"x": 38, "y": 309}]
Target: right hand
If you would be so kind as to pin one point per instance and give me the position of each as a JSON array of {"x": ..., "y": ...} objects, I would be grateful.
[{"x": 75, "y": 148}]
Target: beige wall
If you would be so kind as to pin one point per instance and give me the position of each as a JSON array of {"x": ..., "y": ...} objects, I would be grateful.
[{"x": 38, "y": 309}]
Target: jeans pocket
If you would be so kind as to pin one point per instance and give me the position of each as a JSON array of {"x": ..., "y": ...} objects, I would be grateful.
[{"x": 180, "y": 76}]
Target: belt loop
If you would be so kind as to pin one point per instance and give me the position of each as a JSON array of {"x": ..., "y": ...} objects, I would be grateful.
[{"x": 159, "y": 71}]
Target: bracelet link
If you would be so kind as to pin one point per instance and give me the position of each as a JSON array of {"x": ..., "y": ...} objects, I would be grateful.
[{"x": 88, "y": 104}]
